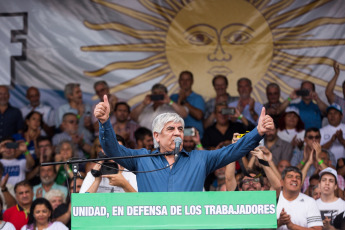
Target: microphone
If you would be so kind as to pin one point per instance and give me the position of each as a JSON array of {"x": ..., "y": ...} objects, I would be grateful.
[{"x": 178, "y": 142}]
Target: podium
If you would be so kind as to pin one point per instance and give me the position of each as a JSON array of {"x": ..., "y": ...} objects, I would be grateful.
[{"x": 174, "y": 210}]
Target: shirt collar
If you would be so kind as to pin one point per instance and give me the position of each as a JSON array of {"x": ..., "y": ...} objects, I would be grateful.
[{"x": 182, "y": 151}]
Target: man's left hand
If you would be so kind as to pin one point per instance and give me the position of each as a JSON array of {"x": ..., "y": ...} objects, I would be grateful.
[{"x": 265, "y": 123}]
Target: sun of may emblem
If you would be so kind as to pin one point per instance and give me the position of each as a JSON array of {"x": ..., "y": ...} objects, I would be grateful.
[{"x": 237, "y": 38}]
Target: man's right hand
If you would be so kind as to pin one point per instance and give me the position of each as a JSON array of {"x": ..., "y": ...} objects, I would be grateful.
[{"x": 102, "y": 110}]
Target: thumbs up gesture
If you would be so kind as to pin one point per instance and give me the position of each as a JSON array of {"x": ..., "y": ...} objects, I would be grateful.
[
  {"x": 102, "y": 110},
  {"x": 265, "y": 122}
]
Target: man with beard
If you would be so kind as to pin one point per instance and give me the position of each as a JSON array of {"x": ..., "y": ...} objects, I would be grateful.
[
  {"x": 48, "y": 175},
  {"x": 18, "y": 214},
  {"x": 281, "y": 150},
  {"x": 144, "y": 138}
]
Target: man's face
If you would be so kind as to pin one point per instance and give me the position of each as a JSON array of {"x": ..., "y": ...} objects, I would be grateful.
[
  {"x": 158, "y": 92},
  {"x": 328, "y": 184},
  {"x": 70, "y": 124},
  {"x": 79, "y": 182},
  {"x": 334, "y": 117},
  {"x": 188, "y": 143},
  {"x": 244, "y": 89},
  {"x": 311, "y": 137},
  {"x": 148, "y": 142},
  {"x": 292, "y": 182},
  {"x": 308, "y": 86},
  {"x": 166, "y": 138},
  {"x": 251, "y": 184},
  {"x": 47, "y": 175},
  {"x": 273, "y": 95},
  {"x": 271, "y": 135},
  {"x": 220, "y": 86},
  {"x": 6, "y": 152},
  {"x": 185, "y": 82},
  {"x": 45, "y": 148},
  {"x": 24, "y": 195},
  {"x": 220, "y": 173},
  {"x": 316, "y": 193},
  {"x": 221, "y": 119},
  {"x": 101, "y": 90},
  {"x": 33, "y": 95},
  {"x": 121, "y": 113},
  {"x": 56, "y": 201},
  {"x": 77, "y": 95},
  {"x": 4, "y": 96},
  {"x": 282, "y": 165},
  {"x": 325, "y": 158}
]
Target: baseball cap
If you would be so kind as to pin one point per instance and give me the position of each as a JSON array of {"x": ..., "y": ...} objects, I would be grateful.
[
  {"x": 336, "y": 107},
  {"x": 292, "y": 109},
  {"x": 329, "y": 170}
]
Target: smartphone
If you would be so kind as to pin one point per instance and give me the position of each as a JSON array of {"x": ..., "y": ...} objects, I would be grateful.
[
  {"x": 11, "y": 145},
  {"x": 302, "y": 92},
  {"x": 189, "y": 131},
  {"x": 157, "y": 97},
  {"x": 228, "y": 111}
]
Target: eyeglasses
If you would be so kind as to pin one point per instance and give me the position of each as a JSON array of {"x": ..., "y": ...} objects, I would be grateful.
[
  {"x": 248, "y": 181},
  {"x": 313, "y": 137}
]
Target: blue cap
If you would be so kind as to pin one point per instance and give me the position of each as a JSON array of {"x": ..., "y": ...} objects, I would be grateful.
[{"x": 336, "y": 107}]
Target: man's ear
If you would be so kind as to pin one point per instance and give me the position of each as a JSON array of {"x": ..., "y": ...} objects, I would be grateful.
[{"x": 156, "y": 136}]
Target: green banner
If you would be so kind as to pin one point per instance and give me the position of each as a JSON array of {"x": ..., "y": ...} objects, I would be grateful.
[{"x": 174, "y": 210}]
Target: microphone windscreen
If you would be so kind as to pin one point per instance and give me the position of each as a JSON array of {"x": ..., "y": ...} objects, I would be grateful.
[{"x": 178, "y": 140}]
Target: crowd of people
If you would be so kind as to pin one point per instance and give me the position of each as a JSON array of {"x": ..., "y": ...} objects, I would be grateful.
[{"x": 301, "y": 155}]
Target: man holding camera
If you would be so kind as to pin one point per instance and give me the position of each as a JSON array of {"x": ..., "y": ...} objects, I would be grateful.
[
  {"x": 176, "y": 170},
  {"x": 156, "y": 103}
]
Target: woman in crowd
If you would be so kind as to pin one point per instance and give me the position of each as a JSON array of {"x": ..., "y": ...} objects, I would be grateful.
[
  {"x": 291, "y": 127},
  {"x": 40, "y": 217},
  {"x": 3, "y": 224},
  {"x": 55, "y": 197}
]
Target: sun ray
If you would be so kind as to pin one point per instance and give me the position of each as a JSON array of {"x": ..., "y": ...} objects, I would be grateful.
[
  {"x": 149, "y": 75},
  {"x": 159, "y": 9},
  {"x": 299, "y": 44},
  {"x": 169, "y": 79},
  {"x": 140, "y": 34},
  {"x": 157, "y": 22},
  {"x": 147, "y": 62},
  {"x": 256, "y": 94},
  {"x": 283, "y": 33},
  {"x": 175, "y": 5},
  {"x": 292, "y": 14},
  {"x": 303, "y": 60},
  {"x": 259, "y": 4},
  {"x": 274, "y": 9},
  {"x": 142, "y": 47}
]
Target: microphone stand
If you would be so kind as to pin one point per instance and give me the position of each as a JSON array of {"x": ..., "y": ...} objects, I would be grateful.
[{"x": 75, "y": 162}]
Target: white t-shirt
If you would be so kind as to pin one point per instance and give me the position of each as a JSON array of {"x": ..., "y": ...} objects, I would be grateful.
[
  {"x": 7, "y": 226},
  {"x": 303, "y": 211},
  {"x": 288, "y": 134},
  {"x": 15, "y": 168},
  {"x": 332, "y": 209},
  {"x": 104, "y": 186},
  {"x": 57, "y": 225},
  {"x": 146, "y": 117},
  {"x": 326, "y": 134}
]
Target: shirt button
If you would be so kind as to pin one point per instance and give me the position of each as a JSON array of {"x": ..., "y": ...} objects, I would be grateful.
[{"x": 102, "y": 138}]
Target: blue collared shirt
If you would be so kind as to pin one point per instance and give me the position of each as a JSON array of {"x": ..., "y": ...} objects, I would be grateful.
[{"x": 189, "y": 171}]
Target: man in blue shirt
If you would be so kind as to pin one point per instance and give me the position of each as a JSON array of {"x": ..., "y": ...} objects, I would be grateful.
[{"x": 190, "y": 169}]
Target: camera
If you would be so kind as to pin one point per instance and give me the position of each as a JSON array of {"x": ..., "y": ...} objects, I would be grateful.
[
  {"x": 108, "y": 167},
  {"x": 157, "y": 97},
  {"x": 302, "y": 92},
  {"x": 189, "y": 131},
  {"x": 228, "y": 111}
]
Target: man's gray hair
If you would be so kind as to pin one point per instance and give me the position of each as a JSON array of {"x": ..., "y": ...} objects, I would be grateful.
[
  {"x": 161, "y": 120},
  {"x": 53, "y": 193},
  {"x": 69, "y": 89}
]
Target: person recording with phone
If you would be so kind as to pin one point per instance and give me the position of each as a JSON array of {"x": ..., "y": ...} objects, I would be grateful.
[
  {"x": 224, "y": 127},
  {"x": 176, "y": 169},
  {"x": 154, "y": 104},
  {"x": 191, "y": 139},
  {"x": 109, "y": 177}
]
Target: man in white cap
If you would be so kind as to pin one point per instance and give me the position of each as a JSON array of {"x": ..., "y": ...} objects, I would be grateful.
[
  {"x": 329, "y": 205},
  {"x": 333, "y": 135}
]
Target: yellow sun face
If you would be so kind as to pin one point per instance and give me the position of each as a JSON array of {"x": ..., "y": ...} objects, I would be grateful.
[
  {"x": 239, "y": 38},
  {"x": 222, "y": 41}
]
